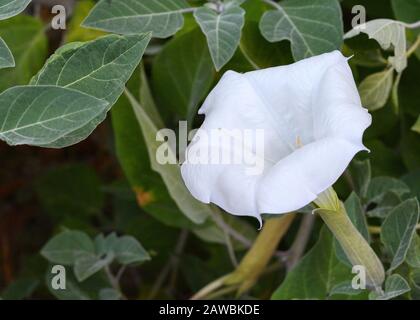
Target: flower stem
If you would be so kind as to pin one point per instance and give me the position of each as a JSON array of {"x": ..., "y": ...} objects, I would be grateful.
[
  {"x": 255, "y": 261},
  {"x": 257, "y": 258},
  {"x": 353, "y": 243}
]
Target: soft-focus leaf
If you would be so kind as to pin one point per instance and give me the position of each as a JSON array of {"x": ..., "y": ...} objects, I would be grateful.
[
  {"x": 395, "y": 286},
  {"x": 260, "y": 53},
  {"x": 361, "y": 176},
  {"x": 388, "y": 202},
  {"x": 380, "y": 186},
  {"x": 132, "y": 152},
  {"x": 112, "y": 60},
  {"x": 182, "y": 75},
  {"x": 223, "y": 31},
  {"x": 6, "y": 57},
  {"x": 375, "y": 89},
  {"x": 25, "y": 36},
  {"x": 39, "y": 115},
  {"x": 398, "y": 230},
  {"x": 170, "y": 173},
  {"x": 128, "y": 250},
  {"x": 312, "y": 26},
  {"x": 66, "y": 247},
  {"x": 345, "y": 288},
  {"x": 87, "y": 265},
  {"x": 162, "y": 17},
  {"x": 413, "y": 254},
  {"x": 10, "y": 8},
  {"x": 388, "y": 33},
  {"x": 320, "y": 268}
]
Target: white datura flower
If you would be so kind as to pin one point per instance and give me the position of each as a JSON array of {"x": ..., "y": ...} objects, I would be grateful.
[{"x": 313, "y": 123}]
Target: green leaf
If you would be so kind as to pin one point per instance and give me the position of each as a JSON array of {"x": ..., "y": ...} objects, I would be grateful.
[
  {"x": 66, "y": 247},
  {"x": 398, "y": 230},
  {"x": 152, "y": 194},
  {"x": 170, "y": 173},
  {"x": 182, "y": 75},
  {"x": 39, "y": 115},
  {"x": 380, "y": 186},
  {"x": 344, "y": 288},
  {"x": 10, "y": 8},
  {"x": 111, "y": 61},
  {"x": 388, "y": 202},
  {"x": 361, "y": 176},
  {"x": 58, "y": 189},
  {"x": 312, "y": 26},
  {"x": 260, "y": 53},
  {"x": 162, "y": 17},
  {"x": 128, "y": 250},
  {"x": 395, "y": 286},
  {"x": 28, "y": 43},
  {"x": 387, "y": 33},
  {"x": 87, "y": 265},
  {"x": 6, "y": 57},
  {"x": 375, "y": 89},
  {"x": 413, "y": 254},
  {"x": 316, "y": 274},
  {"x": 407, "y": 10},
  {"x": 223, "y": 31},
  {"x": 416, "y": 126}
]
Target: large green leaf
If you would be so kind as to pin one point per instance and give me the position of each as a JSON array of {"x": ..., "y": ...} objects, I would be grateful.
[
  {"x": 375, "y": 89},
  {"x": 316, "y": 274},
  {"x": 170, "y": 173},
  {"x": 223, "y": 31},
  {"x": 27, "y": 41},
  {"x": 312, "y": 26},
  {"x": 398, "y": 230},
  {"x": 99, "y": 68},
  {"x": 162, "y": 17},
  {"x": 10, "y": 8},
  {"x": 131, "y": 149},
  {"x": 182, "y": 75},
  {"x": 38, "y": 115},
  {"x": 6, "y": 57}
]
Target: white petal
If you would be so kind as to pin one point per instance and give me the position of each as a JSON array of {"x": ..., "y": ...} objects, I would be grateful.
[{"x": 297, "y": 179}]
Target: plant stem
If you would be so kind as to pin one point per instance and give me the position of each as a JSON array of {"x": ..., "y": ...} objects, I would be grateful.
[
  {"x": 257, "y": 258},
  {"x": 255, "y": 261},
  {"x": 301, "y": 240}
]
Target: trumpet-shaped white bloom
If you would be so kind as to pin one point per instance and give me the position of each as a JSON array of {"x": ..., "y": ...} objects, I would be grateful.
[{"x": 313, "y": 124}]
